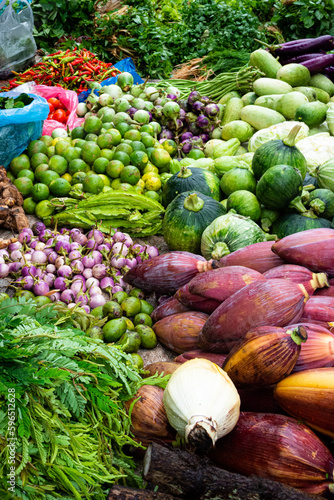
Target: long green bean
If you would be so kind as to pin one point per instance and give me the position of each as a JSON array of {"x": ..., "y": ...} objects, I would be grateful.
[{"x": 216, "y": 88}]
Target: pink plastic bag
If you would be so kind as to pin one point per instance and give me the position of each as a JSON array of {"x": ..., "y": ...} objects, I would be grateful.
[{"x": 69, "y": 98}]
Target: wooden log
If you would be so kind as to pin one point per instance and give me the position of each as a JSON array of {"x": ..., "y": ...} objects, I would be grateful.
[
  {"x": 185, "y": 475},
  {"x": 118, "y": 492}
]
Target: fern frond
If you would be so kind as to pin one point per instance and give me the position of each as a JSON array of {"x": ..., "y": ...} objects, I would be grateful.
[
  {"x": 25, "y": 455},
  {"x": 71, "y": 398},
  {"x": 24, "y": 422},
  {"x": 36, "y": 427}
]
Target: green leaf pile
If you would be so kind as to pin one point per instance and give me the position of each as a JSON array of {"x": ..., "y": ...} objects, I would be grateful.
[
  {"x": 70, "y": 421},
  {"x": 17, "y": 102}
]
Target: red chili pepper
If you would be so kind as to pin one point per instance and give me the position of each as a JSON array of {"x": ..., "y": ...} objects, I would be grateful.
[{"x": 77, "y": 61}]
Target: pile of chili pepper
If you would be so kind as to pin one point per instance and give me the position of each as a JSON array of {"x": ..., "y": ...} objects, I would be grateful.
[{"x": 70, "y": 69}]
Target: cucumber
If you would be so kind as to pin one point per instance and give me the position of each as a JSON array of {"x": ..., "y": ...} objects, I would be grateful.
[
  {"x": 322, "y": 82},
  {"x": 289, "y": 102},
  {"x": 266, "y": 62},
  {"x": 260, "y": 117},
  {"x": 269, "y": 86},
  {"x": 294, "y": 74},
  {"x": 322, "y": 95},
  {"x": 249, "y": 98},
  {"x": 232, "y": 110},
  {"x": 311, "y": 113},
  {"x": 237, "y": 129},
  {"x": 268, "y": 101},
  {"x": 228, "y": 96},
  {"x": 308, "y": 91}
]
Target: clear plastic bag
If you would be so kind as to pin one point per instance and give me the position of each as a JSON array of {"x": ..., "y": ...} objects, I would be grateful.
[
  {"x": 17, "y": 44},
  {"x": 20, "y": 126}
]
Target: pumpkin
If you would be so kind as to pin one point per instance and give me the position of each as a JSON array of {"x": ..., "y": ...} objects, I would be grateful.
[
  {"x": 228, "y": 233},
  {"x": 279, "y": 152},
  {"x": 186, "y": 217},
  {"x": 189, "y": 178},
  {"x": 294, "y": 223},
  {"x": 280, "y": 187}
]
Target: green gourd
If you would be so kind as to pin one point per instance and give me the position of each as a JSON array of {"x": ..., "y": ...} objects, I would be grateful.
[
  {"x": 294, "y": 223},
  {"x": 186, "y": 217},
  {"x": 280, "y": 188},
  {"x": 238, "y": 178},
  {"x": 279, "y": 152},
  {"x": 190, "y": 178},
  {"x": 321, "y": 201}
]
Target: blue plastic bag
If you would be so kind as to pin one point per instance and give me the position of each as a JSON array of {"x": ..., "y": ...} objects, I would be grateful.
[
  {"x": 124, "y": 65},
  {"x": 20, "y": 126}
]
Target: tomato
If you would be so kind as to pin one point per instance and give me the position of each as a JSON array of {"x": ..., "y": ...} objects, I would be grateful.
[
  {"x": 50, "y": 117},
  {"x": 62, "y": 106},
  {"x": 54, "y": 101},
  {"x": 51, "y": 108},
  {"x": 60, "y": 116},
  {"x": 67, "y": 112}
]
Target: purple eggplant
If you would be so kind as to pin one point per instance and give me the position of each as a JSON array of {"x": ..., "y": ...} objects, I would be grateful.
[
  {"x": 319, "y": 63},
  {"x": 301, "y": 58},
  {"x": 303, "y": 46},
  {"x": 329, "y": 72}
]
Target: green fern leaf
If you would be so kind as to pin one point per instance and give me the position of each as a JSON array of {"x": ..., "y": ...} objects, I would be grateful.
[
  {"x": 72, "y": 399},
  {"x": 25, "y": 455},
  {"x": 38, "y": 439},
  {"x": 24, "y": 422}
]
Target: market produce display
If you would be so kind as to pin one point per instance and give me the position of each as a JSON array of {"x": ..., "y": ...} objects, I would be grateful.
[{"x": 233, "y": 180}]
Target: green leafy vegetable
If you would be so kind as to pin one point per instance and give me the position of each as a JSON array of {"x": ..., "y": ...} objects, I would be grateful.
[
  {"x": 15, "y": 102},
  {"x": 66, "y": 392}
]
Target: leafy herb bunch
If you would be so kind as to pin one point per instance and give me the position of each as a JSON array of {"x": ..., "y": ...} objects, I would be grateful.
[
  {"x": 17, "y": 102},
  {"x": 70, "y": 421}
]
